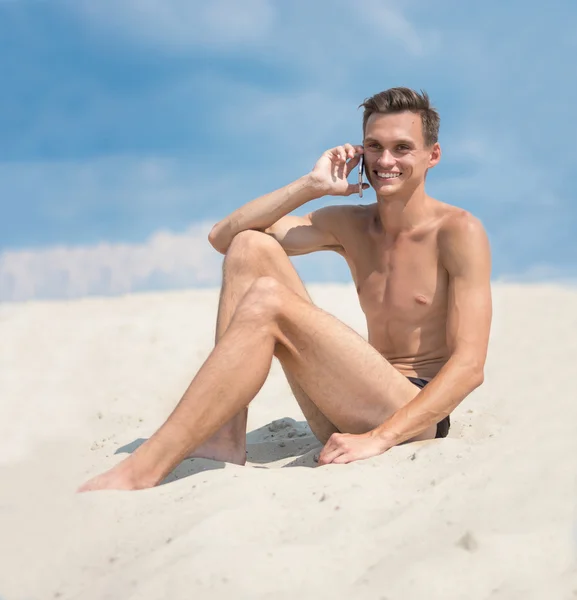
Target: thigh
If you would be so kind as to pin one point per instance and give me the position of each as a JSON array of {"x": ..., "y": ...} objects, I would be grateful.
[
  {"x": 318, "y": 422},
  {"x": 348, "y": 381}
]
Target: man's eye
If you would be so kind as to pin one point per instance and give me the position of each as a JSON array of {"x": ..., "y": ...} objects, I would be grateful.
[{"x": 402, "y": 147}]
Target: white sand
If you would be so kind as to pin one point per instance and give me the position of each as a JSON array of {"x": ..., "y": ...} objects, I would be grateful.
[{"x": 487, "y": 513}]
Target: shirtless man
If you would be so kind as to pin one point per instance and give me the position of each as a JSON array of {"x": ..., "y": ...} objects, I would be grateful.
[{"x": 422, "y": 273}]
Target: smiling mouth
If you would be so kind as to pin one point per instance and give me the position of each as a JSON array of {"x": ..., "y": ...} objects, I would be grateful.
[{"x": 386, "y": 175}]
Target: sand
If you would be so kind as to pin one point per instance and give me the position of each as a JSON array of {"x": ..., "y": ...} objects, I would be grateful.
[{"x": 489, "y": 512}]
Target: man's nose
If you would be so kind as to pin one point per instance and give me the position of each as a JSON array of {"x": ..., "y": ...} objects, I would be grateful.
[{"x": 386, "y": 159}]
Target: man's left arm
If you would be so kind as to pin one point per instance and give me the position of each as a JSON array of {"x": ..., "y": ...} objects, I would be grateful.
[{"x": 465, "y": 254}]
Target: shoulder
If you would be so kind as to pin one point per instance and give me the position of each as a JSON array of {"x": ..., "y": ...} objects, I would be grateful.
[
  {"x": 458, "y": 225},
  {"x": 462, "y": 238}
]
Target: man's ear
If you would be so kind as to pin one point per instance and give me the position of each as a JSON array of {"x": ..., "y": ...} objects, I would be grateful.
[{"x": 435, "y": 155}]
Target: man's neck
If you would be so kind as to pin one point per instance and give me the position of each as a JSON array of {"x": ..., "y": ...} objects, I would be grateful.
[{"x": 402, "y": 212}]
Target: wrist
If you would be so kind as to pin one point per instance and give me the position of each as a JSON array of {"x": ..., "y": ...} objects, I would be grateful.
[
  {"x": 315, "y": 185},
  {"x": 386, "y": 437}
]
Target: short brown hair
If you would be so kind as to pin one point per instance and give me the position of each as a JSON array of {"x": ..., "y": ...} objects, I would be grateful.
[{"x": 401, "y": 99}]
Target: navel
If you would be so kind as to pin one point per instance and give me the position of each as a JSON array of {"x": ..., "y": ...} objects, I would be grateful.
[{"x": 420, "y": 299}]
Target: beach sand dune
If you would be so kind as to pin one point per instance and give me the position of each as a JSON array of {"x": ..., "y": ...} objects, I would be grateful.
[{"x": 489, "y": 512}]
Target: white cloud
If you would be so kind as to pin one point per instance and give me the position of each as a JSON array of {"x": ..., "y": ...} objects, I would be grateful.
[{"x": 165, "y": 260}]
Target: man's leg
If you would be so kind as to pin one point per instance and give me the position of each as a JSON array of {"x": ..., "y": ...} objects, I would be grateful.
[
  {"x": 252, "y": 255},
  {"x": 346, "y": 378}
]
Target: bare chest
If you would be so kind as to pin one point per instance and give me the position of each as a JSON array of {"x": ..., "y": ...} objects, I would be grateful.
[{"x": 402, "y": 281}]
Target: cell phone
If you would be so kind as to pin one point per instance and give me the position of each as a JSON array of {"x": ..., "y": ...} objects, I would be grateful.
[{"x": 361, "y": 168}]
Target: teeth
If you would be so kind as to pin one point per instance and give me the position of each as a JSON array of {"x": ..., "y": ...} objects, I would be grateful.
[{"x": 388, "y": 175}]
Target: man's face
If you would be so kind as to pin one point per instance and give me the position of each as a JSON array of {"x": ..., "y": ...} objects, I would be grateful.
[{"x": 396, "y": 156}]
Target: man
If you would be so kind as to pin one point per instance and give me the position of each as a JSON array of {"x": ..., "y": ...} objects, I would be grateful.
[{"x": 422, "y": 273}]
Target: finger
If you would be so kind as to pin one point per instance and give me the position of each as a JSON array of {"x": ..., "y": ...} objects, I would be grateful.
[
  {"x": 340, "y": 154},
  {"x": 350, "y": 150},
  {"x": 343, "y": 152},
  {"x": 328, "y": 457},
  {"x": 331, "y": 443},
  {"x": 353, "y": 162},
  {"x": 343, "y": 459},
  {"x": 327, "y": 449},
  {"x": 342, "y": 170},
  {"x": 354, "y": 188}
]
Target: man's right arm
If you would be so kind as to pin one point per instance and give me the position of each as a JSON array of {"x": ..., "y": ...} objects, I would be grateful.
[{"x": 269, "y": 213}]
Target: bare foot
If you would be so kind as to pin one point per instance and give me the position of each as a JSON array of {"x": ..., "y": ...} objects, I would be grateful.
[
  {"x": 120, "y": 477},
  {"x": 134, "y": 473}
]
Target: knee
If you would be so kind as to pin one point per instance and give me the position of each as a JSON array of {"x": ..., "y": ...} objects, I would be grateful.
[
  {"x": 251, "y": 247},
  {"x": 264, "y": 300}
]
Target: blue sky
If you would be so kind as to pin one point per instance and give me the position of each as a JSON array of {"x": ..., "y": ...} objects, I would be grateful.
[{"x": 128, "y": 127}]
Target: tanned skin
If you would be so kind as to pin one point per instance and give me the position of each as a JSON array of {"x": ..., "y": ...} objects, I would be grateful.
[{"x": 422, "y": 273}]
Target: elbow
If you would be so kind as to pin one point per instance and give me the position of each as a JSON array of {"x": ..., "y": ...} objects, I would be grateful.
[
  {"x": 472, "y": 372},
  {"x": 478, "y": 377},
  {"x": 475, "y": 375},
  {"x": 217, "y": 239}
]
